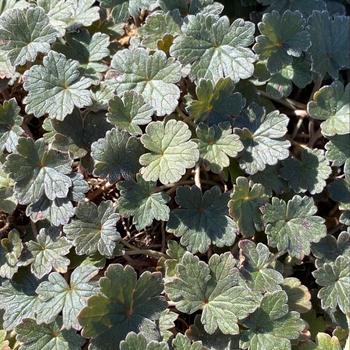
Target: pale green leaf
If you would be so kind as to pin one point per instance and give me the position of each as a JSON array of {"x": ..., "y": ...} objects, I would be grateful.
[
  {"x": 171, "y": 151},
  {"x": 57, "y": 295},
  {"x": 24, "y": 33},
  {"x": 292, "y": 226},
  {"x": 215, "y": 49},
  {"x": 94, "y": 229},
  {"x": 152, "y": 75}
]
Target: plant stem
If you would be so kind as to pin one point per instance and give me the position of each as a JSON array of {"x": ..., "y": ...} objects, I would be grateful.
[
  {"x": 347, "y": 345},
  {"x": 197, "y": 176},
  {"x": 287, "y": 102},
  {"x": 136, "y": 251}
]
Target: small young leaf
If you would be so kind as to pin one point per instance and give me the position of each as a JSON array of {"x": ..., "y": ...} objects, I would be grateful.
[
  {"x": 48, "y": 252},
  {"x": 130, "y": 111},
  {"x": 116, "y": 155},
  {"x": 202, "y": 219},
  {"x": 215, "y": 103},
  {"x": 262, "y": 137},
  {"x": 172, "y": 151},
  {"x": 139, "y": 200},
  {"x": 158, "y": 25},
  {"x": 292, "y": 226},
  {"x": 332, "y": 105},
  {"x": 10, "y": 125},
  {"x": 257, "y": 265},
  {"x": 94, "y": 229},
  {"x": 299, "y": 297},
  {"x": 309, "y": 173},
  {"x": 334, "y": 278},
  {"x": 246, "y": 200},
  {"x": 10, "y": 253},
  {"x": 329, "y": 248},
  {"x": 216, "y": 144}
]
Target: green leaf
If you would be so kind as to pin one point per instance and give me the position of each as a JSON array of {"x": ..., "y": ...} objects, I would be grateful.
[
  {"x": 214, "y": 289},
  {"x": 125, "y": 304},
  {"x": 271, "y": 179},
  {"x": 57, "y": 295},
  {"x": 48, "y": 252},
  {"x": 94, "y": 229},
  {"x": 329, "y": 248},
  {"x": 24, "y": 33},
  {"x": 181, "y": 342},
  {"x": 167, "y": 323},
  {"x": 47, "y": 336},
  {"x": 175, "y": 252},
  {"x": 299, "y": 297},
  {"x": 135, "y": 341},
  {"x": 215, "y": 49},
  {"x": 152, "y": 75},
  {"x": 158, "y": 25},
  {"x": 324, "y": 342},
  {"x": 10, "y": 253},
  {"x": 38, "y": 170},
  {"x": 334, "y": 278},
  {"x": 10, "y": 125},
  {"x": 55, "y": 87},
  {"x": 305, "y": 7},
  {"x": 272, "y": 324},
  {"x": 215, "y": 102},
  {"x": 76, "y": 132},
  {"x": 256, "y": 261},
  {"x": 18, "y": 299},
  {"x": 83, "y": 13},
  {"x": 58, "y": 11},
  {"x": 130, "y": 111},
  {"x": 262, "y": 136},
  {"x": 172, "y": 151},
  {"x": 338, "y": 151},
  {"x": 139, "y": 199},
  {"x": 332, "y": 105},
  {"x": 60, "y": 210},
  {"x": 244, "y": 206},
  {"x": 291, "y": 226},
  {"x": 88, "y": 50},
  {"x": 116, "y": 155},
  {"x": 283, "y": 36},
  {"x": 215, "y": 341},
  {"x": 309, "y": 173},
  {"x": 202, "y": 219},
  {"x": 216, "y": 144},
  {"x": 330, "y": 43}
]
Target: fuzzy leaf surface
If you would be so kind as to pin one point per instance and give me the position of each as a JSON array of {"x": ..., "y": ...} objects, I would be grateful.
[
  {"x": 55, "y": 87},
  {"x": 171, "y": 151},
  {"x": 202, "y": 219},
  {"x": 215, "y": 49},
  {"x": 292, "y": 226}
]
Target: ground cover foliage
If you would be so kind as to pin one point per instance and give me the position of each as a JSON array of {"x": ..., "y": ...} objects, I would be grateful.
[{"x": 174, "y": 175}]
